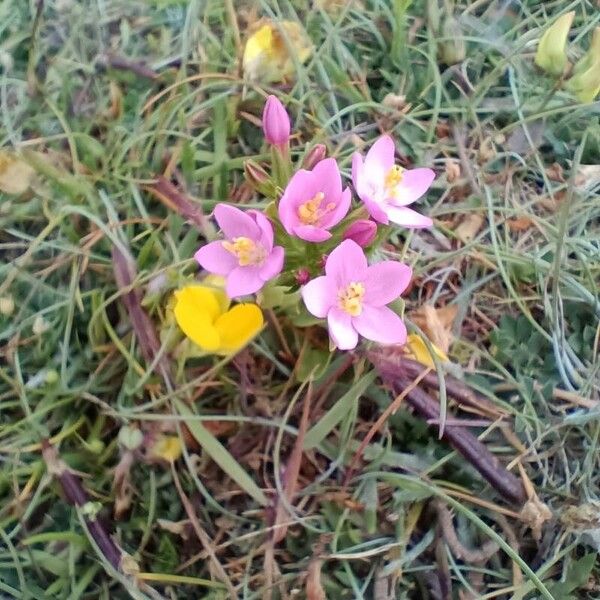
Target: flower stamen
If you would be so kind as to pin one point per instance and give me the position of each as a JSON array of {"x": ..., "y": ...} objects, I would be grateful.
[
  {"x": 245, "y": 250},
  {"x": 393, "y": 178},
  {"x": 350, "y": 298},
  {"x": 311, "y": 212}
]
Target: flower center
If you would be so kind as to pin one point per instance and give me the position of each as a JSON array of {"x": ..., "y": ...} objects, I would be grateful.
[
  {"x": 350, "y": 298},
  {"x": 393, "y": 177},
  {"x": 246, "y": 251},
  {"x": 311, "y": 212}
]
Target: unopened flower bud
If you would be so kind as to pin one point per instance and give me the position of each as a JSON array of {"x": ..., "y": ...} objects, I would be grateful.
[
  {"x": 585, "y": 83},
  {"x": 275, "y": 122},
  {"x": 362, "y": 232},
  {"x": 453, "y": 49},
  {"x": 302, "y": 276},
  {"x": 316, "y": 154},
  {"x": 258, "y": 178},
  {"x": 551, "y": 55}
]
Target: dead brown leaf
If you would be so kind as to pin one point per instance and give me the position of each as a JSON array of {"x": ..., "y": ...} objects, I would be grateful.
[
  {"x": 469, "y": 227},
  {"x": 436, "y": 324},
  {"x": 518, "y": 224}
]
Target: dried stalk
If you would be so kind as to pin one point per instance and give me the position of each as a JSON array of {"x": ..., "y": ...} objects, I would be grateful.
[
  {"x": 174, "y": 200},
  {"x": 504, "y": 482},
  {"x": 77, "y": 496}
]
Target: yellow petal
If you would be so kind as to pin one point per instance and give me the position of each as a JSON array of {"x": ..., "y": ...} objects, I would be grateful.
[
  {"x": 417, "y": 350},
  {"x": 238, "y": 326},
  {"x": 267, "y": 54},
  {"x": 196, "y": 309},
  {"x": 217, "y": 284},
  {"x": 551, "y": 55},
  {"x": 167, "y": 447}
]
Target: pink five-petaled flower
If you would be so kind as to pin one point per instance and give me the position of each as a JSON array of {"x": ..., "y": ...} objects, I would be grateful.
[
  {"x": 313, "y": 202},
  {"x": 353, "y": 297},
  {"x": 246, "y": 257},
  {"x": 386, "y": 188}
]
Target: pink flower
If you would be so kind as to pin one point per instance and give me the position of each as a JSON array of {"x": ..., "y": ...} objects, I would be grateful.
[
  {"x": 363, "y": 232},
  {"x": 247, "y": 257},
  {"x": 353, "y": 297},
  {"x": 313, "y": 202},
  {"x": 387, "y": 189},
  {"x": 275, "y": 122}
]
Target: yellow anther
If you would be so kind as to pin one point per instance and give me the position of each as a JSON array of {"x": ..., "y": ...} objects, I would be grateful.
[
  {"x": 350, "y": 298},
  {"x": 393, "y": 177},
  {"x": 245, "y": 250},
  {"x": 310, "y": 212}
]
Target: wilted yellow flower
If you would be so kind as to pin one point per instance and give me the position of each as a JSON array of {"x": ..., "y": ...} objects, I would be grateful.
[
  {"x": 267, "y": 56},
  {"x": 167, "y": 447},
  {"x": 203, "y": 314},
  {"x": 416, "y": 349},
  {"x": 15, "y": 174},
  {"x": 585, "y": 83},
  {"x": 551, "y": 52}
]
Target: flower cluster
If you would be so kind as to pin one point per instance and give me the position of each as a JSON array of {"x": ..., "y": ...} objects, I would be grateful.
[{"x": 311, "y": 227}]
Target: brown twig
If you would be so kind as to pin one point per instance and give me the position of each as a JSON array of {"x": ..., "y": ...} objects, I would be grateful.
[
  {"x": 176, "y": 201},
  {"x": 121, "y": 63},
  {"x": 503, "y": 481},
  {"x": 463, "y": 394},
  {"x": 125, "y": 273},
  {"x": 77, "y": 496}
]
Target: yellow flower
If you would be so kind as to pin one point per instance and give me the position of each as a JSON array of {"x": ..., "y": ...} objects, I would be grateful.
[
  {"x": 416, "y": 349},
  {"x": 267, "y": 55},
  {"x": 551, "y": 55},
  {"x": 203, "y": 314},
  {"x": 585, "y": 83},
  {"x": 167, "y": 447}
]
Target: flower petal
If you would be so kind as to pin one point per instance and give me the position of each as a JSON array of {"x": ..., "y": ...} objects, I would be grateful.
[
  {"x": 215, "y": 259},
  {"x": 327, "y": 173},
  {"x": 376, "y": 211},
  {"x": 407, "y": 217},
  {"x": 381, "y": 155},
  {"x": 380, "y": 324},
  {"x": 273, "y": 264},
  {"x": 385, "y": 281},
  {"x": 415, "y": 182},
  {"x": 196, "y": 307},
  {"x": 341, "y": 331},
  {"x": 265, "y": 227},
  {"x": 347, "y": 263},
  {"x": 235, "y": 222},
  {"x": 319, "y": 295},
  {"x": 340, "y": 211},
  {"x": 243, "y": 281},
  {"x": 357, "y": 167},
  {"x": 301, "y": 187},
  {"x": 310, "y": 233},
  {"x": 238, "y": 326}
]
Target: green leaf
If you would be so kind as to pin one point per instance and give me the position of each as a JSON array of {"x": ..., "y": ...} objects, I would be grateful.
[
  {"x": 220, "y": 454},
  {"x": 337, "y": 412},
  {"x": 313, "y": 365},
  {"x": 579, "y": 572}
]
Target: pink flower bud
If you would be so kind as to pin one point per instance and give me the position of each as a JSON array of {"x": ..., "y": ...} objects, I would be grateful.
[
  {"x": 316, "y": 154},
  {"x": 275, "y": 122},
  {"x": 302, "y": 276},
  {"x": 362, "y": 232}
]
